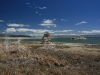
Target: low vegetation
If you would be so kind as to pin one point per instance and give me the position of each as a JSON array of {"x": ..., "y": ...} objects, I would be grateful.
[
  {"x": 38, "y": 61},
  {"x": 62, "y": 46}
]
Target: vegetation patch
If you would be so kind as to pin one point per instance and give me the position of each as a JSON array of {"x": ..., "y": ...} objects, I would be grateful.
[
  {"x": 36, "y": 46},
  {"x": 38, "y": 61},
  {"x": 62, "y": 46}
]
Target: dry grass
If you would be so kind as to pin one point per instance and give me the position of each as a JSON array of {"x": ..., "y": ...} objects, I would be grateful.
[
  {"x": 37, "y": 61},
  {"x": 63, "y": 46}
]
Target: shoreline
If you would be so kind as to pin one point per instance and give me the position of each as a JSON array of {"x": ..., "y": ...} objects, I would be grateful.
[{"x": 55, "y": 40}]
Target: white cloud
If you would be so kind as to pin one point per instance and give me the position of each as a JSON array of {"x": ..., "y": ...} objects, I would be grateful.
[
  {"x": 48, "y": 23},
  {"x": 10, "y": 30},
  {"x": 67, "y": 30},
  {"x": 50, "y": 31},
  {"x": 83, "y": 22},
  {"x": 63, "y": 31},
  {"x": 90, "y": 32},
  {"x": 40, "y": 30},
  {"x": 36, "y": 31},
  {"x": 85, "y": 32},
  {"x": 96, "y": 31},
  {"x": 42, "y": 7},
  {"x": 63, "y": 20},
  {"x": 1, "y": 20},
  {"x": 17, "y": 25},
  {"x": 22, "y": 29}
]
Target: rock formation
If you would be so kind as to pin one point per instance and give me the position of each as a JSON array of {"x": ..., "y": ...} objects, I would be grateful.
[{"x": 46, "y": 38}]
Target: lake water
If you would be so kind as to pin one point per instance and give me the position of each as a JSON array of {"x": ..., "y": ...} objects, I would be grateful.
[{"x": 92, "y": 40}]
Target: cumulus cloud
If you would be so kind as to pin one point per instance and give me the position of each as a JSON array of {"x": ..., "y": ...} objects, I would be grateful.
[
  {"x": 83, "y": 22},
  {"x": 10, "y": 30},
  {"x": 1, "y": 20},
  {"x": 42, "y": 7},
  {"x": 17, "y": 25},
  {"x": 48, "y": 23}
]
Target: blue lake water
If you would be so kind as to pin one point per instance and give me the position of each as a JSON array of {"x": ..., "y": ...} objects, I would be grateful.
[{"x": 92, "y": 40}]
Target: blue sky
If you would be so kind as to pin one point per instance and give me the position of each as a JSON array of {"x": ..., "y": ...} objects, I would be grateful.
[{"x": 56, "y": 16}]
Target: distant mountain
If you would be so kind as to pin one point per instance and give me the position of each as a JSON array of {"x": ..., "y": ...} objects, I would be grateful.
[{"x": 3, "y": 35}]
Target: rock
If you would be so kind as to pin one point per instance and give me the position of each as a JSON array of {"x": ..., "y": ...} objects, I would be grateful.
[{"x": 46, "y": 38}]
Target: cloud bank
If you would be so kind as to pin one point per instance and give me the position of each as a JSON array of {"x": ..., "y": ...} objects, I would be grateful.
[
  {"x": 17, "y": 25},
  {"x": 36, "y": 31},
  {"x": 90, "y": 32}
]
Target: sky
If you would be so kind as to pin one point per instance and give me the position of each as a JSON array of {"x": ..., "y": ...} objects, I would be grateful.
[{"x": 33, "y": 17}]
